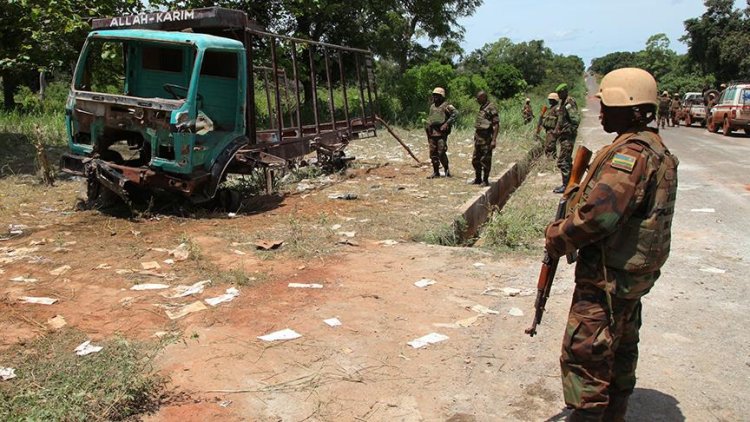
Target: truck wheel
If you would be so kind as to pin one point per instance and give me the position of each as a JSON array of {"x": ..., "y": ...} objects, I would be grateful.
[
  {"x": 726, "y": 128},
  {"x": 712, "y": 127}
]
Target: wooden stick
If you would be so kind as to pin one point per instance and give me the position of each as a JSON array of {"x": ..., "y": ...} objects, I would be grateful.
[{"x": 388, "y": 128}]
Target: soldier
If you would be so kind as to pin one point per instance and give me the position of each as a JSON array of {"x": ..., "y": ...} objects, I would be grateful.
[
  {"x": 528, "y": 113},
  {"x": 487, "y": 126},
  {"x": 674, "y": 110},
  {"x": 549, "y": 123},
  {"x": 620, "y": 222},
  {"x": 566, "y": 131},
  {"x": 664, "y": 106},
  {"x": 439, "y": 123}
]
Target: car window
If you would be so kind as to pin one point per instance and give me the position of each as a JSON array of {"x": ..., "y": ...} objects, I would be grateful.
[
  {"x": 728, "y": 97},
  {"x": 745, "y": 98}
]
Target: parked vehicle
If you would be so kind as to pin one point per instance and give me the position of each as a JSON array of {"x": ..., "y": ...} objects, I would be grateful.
[
  {"x": 732, "y": 110},
  {"x": 694, "y": 108},
  {"x": 175, "y": 101}
]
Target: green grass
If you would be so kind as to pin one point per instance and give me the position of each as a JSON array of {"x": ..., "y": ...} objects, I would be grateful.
[
  {"x": 53, "y": 383},
  {"x": 448, "y": 234}
]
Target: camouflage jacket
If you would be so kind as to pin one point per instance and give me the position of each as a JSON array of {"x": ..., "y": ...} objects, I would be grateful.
[
  {"x": 487, "y": 117},
  {"x": 527, "y": 112},
  {"x": 549, "y": 119},
  {"x": 620, "y": 219},
  {"x": 568, "y": 117},
  {"x": 664, "y": 105},
  {"x": 439, "y": 115},
  {"x": 675, "y": 105}
]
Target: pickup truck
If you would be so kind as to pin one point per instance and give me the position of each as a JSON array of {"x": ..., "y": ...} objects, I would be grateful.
[
  {"x": 732, "y": 110},
  {"x": 176, "y": 101},
  {"x": 695, "y": 109}
]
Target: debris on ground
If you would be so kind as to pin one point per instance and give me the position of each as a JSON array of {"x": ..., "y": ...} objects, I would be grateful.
[
  {"x": 388, "y": 242},
  {"x": 347, "y": 234},
  {"x": 305, "y": 286},
  {"x": 232, "y": 215},
  {"x": 196, "y": 306},
  {"x": 238, "y": 252},
  {"x": 335, "y": 227},
  {"x": 285, "y": 334},
  {"x": 7, "y": 373},
  {"x": 60, "y": 270},
  {"x": 424, "y": 282},
  {"x": 462, "y": 323},
  {"x": 230, "y": 294},
  {"x": 345, "y": 196},
  {"x": 37, "y": 300},
  {"x": 169, "y": 261},
  {"x": 56, "y": 322},
  {"x": 706, "y": 210},
  {"x": 22, "y": 279},
  {"x": 332, "y": 322},
  {"x": 149, "y": 286},
  {"x": 481, "y": 309},
  {"x": 193, "y": 289},
  {"x": 103, "y": 267},
  {"x": 515, "y": 312},
  {"x": 225, "y": 403},
  {"x": 150, "y": 265},
  {"x": 478, "y": 265},
  {"x": 347, "y": 241},
  {"x": 712, "y": 270},
  {"x": 123, "y": 271},
  {"x": 86, "y": 348},
  {"x": 17, "y": 229},
  {"x": 180, "y": 253},
  {"x": 423, "y": 341},
  {"x": 268, "y": 245}
]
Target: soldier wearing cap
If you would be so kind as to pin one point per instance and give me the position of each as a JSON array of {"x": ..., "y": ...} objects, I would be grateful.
[
  {"x": 566, "y": 131},
  {"x": 664, "y": 106},
  {"x": 486, "y": 128},
  {"x": 619, "y": 220},
  {"x": 439, "y": 123},
  {"x": 528, "y": 113},
  {"x": 549, "y": 123}
]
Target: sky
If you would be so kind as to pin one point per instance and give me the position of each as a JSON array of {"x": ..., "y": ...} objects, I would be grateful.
[{"x": 586, "y": 28}]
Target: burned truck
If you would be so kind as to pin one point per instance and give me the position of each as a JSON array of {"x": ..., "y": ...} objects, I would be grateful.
[{"x": 176, "y": 101}]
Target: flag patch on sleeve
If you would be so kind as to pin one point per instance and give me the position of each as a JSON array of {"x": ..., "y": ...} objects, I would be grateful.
[{"x": 623, "y": 162}]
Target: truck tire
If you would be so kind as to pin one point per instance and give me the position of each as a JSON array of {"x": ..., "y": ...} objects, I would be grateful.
[{"x": 726, "y": 129}]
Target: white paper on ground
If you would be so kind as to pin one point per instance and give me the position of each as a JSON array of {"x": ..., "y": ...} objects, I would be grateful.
[
  {"x": 478, "y": 265},
  {"x": 150, "y": 265},
  {"x": 7, "y": 373},
  {"x": 22, "y": 279},
  {"x": 388, "y": 242},
  {"x": 423, "y": 341},
  {"x": 515, "y": 312},
  {"x": 712, "y": 270},
  {"x": 424, "y": 282},
  {"x": 230, "y": 294},
  {"x": 305, "y": 285},
  {"x": 709, "y": 210},
  {"x": 483, "y": 310},
  {"x": 187, "y": 309},
  {"x": 56, "y": 322},
  {"x": 180, "y": 253},
  {"x": 37, "y": 300},
  {"x": 285, "y": 334},
  {"x": 60, "y": 270},
  {"x": 332, "y": 322},
  {"x": 194, "y": 289},
  {"x": 86, "y": 348},
  {"x": 149, "y": 286}
]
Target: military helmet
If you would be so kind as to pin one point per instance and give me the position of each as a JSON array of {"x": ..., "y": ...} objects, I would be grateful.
[
  {"x": 665, "y": 94},
  {"x": 439, "y": 91},
  {"x": 628, "y": 87},
  {"x": 553, "y": 96},
  {"x": 528, "y": 100}
]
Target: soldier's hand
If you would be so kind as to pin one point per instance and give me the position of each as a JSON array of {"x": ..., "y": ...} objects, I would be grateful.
[
  {"x": 493, "y": 144},
  {"x": 444, "y": 127},
  {"x": 549, "y": 245}
]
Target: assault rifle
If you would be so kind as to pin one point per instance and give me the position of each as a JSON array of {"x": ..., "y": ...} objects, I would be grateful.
[
  {"x": 549, "y": 264},
  {"x": 539, "y": 123}
]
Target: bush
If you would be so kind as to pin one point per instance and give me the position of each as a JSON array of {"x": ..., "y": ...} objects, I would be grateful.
[
  {"x": 55, "y": 97},
  {"x": 505, "y": 80}
]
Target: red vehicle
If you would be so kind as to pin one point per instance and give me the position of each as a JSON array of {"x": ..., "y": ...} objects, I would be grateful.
[{"x": 732, "y": 111}]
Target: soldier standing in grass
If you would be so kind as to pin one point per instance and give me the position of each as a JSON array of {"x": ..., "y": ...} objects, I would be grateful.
[
  {"x": 566, "y": 131},
  {"x": 439, "y": 123},
  {"x": 528, "y": 113},
  {"x": 549, "y": 123},
  {"x": 487, "y": 127},
  {"x": 620, "y": 222}
]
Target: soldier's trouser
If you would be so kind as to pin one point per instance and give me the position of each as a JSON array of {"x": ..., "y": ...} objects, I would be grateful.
[
  {"x": 438, "y": 150},
  {"x": 599, "y": 359},
  {"x": 481, "y": 159},
  {"x": 550, "y": 146},
  {"x": 565, "y": 157}
]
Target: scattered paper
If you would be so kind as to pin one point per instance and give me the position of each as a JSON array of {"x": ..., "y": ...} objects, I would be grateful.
[
  {"x": 285, "y": 334},
  {"x": 232, "y": 214},
  {"x": 21, "y": 279},
  {"x": 335, "y": 227},
  {"x": 462, "y": 323},
  {"x": 151, "y": 265},
  {"x": 56, "y": 322},
  {"x": 169, "y": 261},
  {"x": 122, "y": 271},
  {"x": 346, "y": 241},
  {"x": 515, "y": 312},
  {"x": 180, "y": 253},
  {"x": 305, "y": 285},
  {"x": 388, "y": 242},
  {"x": 60, "y": 270},
  {"x": 37, "y": 300},
  {"x": 17, "y": 229},
  {"x": 86, "y": 348},
  {"x": 103, "y": 267},
  {"x": 268, "y": 245},
  {"x": 424, "y": 282},
  {"x": 708, "y": 210},
  {"x": 481, "y": 309},
  {"x": 423, "y": 341},
  {"x": 225, "y": 403},
  {"x": 194, "y": 289},
  {"x": 344, "y": 196},
  {"x": 347, "y": 234},
  {"x": 478, "y": 265},
  {"x": 7, "y": 373},
  {"x": 230, "y": 294},
  {"x": 713, "y": 270},
  {"x": 505, "y": 291},
  {"x": 332, "y": 322},
  {"x": 149, "y": 286},
  {"x": 238, "y": 252},
  {"x": 196, "y": 306}
]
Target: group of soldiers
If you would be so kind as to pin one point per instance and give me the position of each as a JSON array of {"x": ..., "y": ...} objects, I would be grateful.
[
  {"x": 668, "y": 110},
  {"x": 560, "y": 122}
]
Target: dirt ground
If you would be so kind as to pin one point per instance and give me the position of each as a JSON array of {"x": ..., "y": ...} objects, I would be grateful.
[{"x": 694, "y": 359}]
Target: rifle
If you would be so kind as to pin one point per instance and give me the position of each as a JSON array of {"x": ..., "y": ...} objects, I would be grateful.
[
  {"x": 549, "y": 264},
  {"x": 539, "y": 123}
]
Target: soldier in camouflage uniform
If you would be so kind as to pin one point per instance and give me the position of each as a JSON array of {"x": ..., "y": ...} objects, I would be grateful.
[
  {"x": 549, "y": 123},
  {"x": 439, "y": 122},
  {"x": 620, "y": 222},
  {"x": 568, "y": 120},
  {"x": 664, "y": 105},
  {"x": 528, "y": 113},
  {"x": 487, "y": 126},
  {"x": 674, "y": 110}
]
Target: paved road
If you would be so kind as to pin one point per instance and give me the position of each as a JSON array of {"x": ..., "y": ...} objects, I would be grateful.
[{"x": 695, "y": 354}]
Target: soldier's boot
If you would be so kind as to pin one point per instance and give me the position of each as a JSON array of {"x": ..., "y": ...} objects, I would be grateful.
[
  {"x": 435, "y": 171},
  {"x": 477, "y": 177},
  {"x": 561, "y": 188},
  {"x": 617, "y": 408},
  {"x": 580, "y": 415},
  {"x": 486, "y": 178}
]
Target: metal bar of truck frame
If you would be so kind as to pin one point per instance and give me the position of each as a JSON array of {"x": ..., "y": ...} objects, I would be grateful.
[
  {"x": 343, "y": 88},
  {"x": 359, "y": 85},
  {"x": 302, "y": 40},
  {"x": 268, "y": 98},
  {"x": 331, "y": 106},
  {"x": 296, "y": 87},
  {"x": 314, "y": 83},
  {"x": 275, "y": 65}
]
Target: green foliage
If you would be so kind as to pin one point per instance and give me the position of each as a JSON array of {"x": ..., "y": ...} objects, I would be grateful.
[
  {"x": 505, "y": 80},
  {"x": 54, "y": 99},
  {"x": 418, "y": 83},
  {"x": 53, "y": 383}
]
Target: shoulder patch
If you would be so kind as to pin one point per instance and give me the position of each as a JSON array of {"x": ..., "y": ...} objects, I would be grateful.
[
  {"x": 623, "y": 162},
  {"x": 635, "y": 146}
]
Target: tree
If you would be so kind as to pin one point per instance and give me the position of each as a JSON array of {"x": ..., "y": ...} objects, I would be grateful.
[
  {"x": 657, "y": 58},
  {"x": 505, "y": 80},
  {"x": 617, "y": 60}
]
